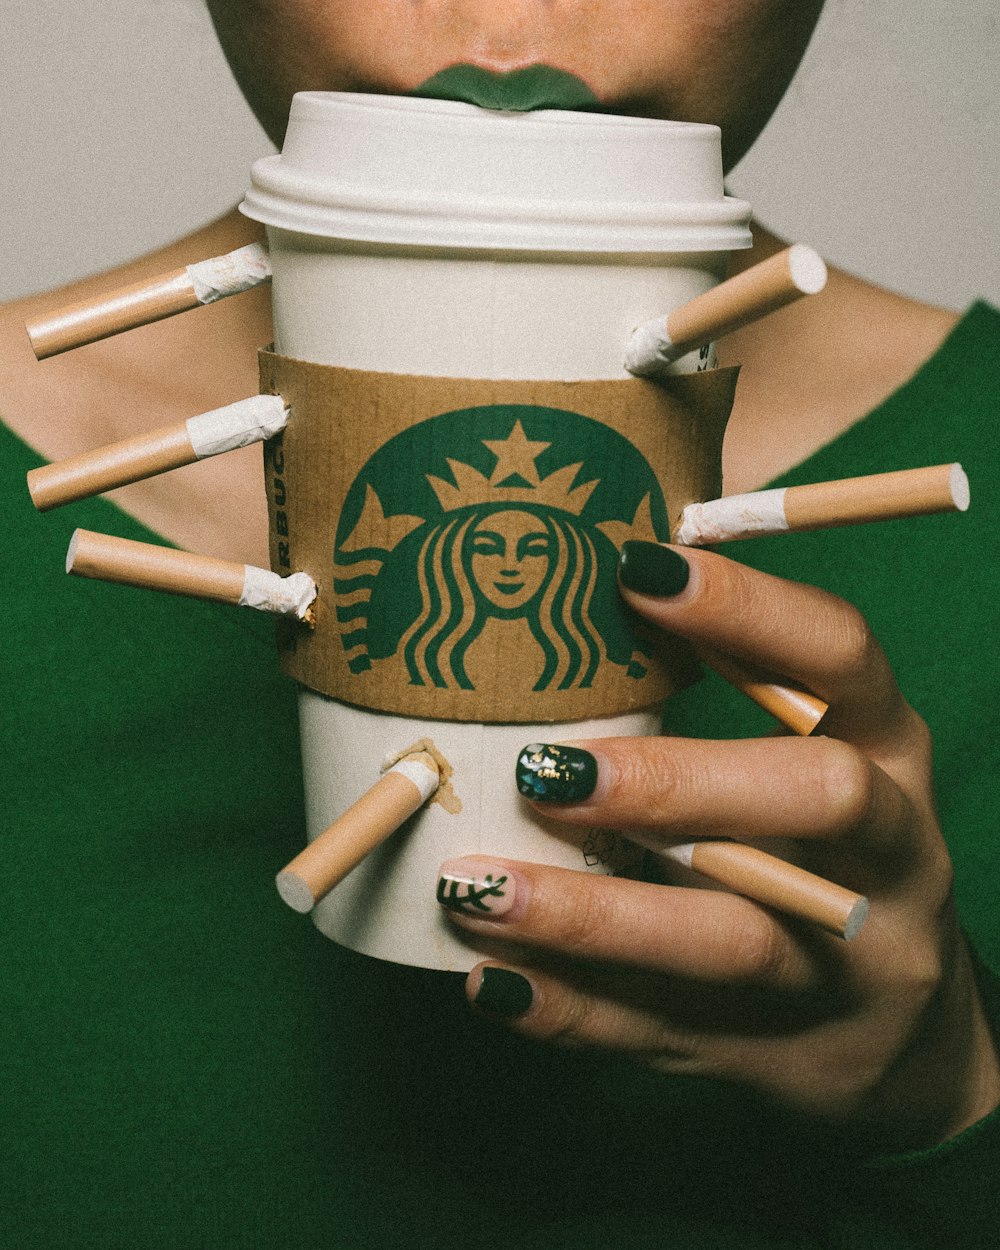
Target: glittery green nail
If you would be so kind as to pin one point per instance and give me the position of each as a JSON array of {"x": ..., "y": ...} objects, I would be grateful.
[{"x": 556, "y": 774}]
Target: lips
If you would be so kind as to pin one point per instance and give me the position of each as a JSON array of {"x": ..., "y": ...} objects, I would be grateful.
[{"x": 517, "y": 91}]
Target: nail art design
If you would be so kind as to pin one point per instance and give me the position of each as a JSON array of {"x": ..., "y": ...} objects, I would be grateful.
[
  {"x": 475, "y": 894},
  {"x": 556, "y": 774},
  {"x": 503, "y": 993},
  {"x": 651, "y": 569}
]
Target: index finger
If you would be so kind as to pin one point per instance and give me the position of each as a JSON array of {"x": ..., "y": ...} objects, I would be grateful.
[{"x": 787, "y": 628}]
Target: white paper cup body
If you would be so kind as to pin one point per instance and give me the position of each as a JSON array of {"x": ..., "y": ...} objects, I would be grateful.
[
  {"x": 386, "y": 907},
  {"x": 434, "y": 238}
]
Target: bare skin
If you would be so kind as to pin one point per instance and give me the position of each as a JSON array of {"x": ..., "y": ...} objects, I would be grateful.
[
  {"x": 153, "y": 376},
  {"x": 901, "y": 1005},
  {"x": 689, "y": 60},
  {"x": 173, "y": 369},
  {"x": 685, "y": 59},
  {"x": 884, "y": 1036}
]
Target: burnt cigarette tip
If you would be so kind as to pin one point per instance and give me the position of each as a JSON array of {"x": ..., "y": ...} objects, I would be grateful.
[{"x": 294, "y": 891}]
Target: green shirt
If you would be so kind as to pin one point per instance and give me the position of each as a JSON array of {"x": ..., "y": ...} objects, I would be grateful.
[{"x": 187, "y": 1063}]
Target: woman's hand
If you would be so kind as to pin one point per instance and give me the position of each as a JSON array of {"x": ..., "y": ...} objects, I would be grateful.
[{"x": 883, "y": 1036}]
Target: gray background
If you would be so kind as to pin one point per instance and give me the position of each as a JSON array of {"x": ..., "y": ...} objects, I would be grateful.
[{"x": 121, "y": 129}]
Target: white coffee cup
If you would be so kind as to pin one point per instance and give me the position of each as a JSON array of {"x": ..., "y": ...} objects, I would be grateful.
[{"x": 425, "y": 237}]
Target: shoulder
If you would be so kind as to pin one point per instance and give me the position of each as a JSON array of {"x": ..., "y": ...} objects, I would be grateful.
[
  {"x": 110, "y": 389},
  {"x": 152, "y": 377},
  {"x": 858, "y": 343},
  {"x": 873, "y": 338},
  {"x": 48, "y": 404},
  {"x": 816, "y": 368}
]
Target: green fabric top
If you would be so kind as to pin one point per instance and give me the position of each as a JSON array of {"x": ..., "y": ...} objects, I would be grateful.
[{"x": 184, "y": 1062}]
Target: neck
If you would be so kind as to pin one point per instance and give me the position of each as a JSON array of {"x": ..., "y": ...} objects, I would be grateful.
[{"x": 817, "y": 367}]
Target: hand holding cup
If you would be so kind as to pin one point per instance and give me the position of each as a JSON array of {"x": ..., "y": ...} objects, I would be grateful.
[{"x": 883, "y": 1036}]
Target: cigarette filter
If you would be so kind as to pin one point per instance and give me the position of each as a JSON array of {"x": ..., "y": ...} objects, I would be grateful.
[
  {"x": 762, "y": 289},
  {"x": 391, "y": 801},
  {"x": 129, "y": 563},
  {"x": 796, "y": 709},
  {"x": 823, "y": 505},
  {"x": 140, "y": 303},
  {"x": 146, "y": 455},
  {"x": 776, "y": 883}
]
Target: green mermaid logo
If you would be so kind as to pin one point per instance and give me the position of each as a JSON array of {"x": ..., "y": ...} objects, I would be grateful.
[{"x": 509, "y": 548}]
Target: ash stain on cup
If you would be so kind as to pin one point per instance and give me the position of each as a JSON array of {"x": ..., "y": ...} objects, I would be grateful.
[{"x": 445, "y": 795}]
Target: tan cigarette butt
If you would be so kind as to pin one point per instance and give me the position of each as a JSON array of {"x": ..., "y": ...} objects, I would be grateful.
[
  {"x": 758, "y": 291},
  {"x": 152, "y": 299},
  {"x": 145, "y": 455},
  {"x": 183, "y": 573},
  {"x": 823, "y": 505},
  {"x": 130, "y": 563},
  {"x": 130, "y": 306},
  {"x": 877, "y": 497},
  {"x": 94, "y": 472},
  {"x": 379, "y": 812},
  {"x": 796, "y": 709},
  {"x": 775, "y": 883}
]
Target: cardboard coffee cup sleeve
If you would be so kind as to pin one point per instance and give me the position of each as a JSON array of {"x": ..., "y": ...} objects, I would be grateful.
[{"x": 464, "y": 535}]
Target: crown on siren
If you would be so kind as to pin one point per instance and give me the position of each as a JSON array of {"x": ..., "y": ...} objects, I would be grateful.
[{"x": 515, "y": 479}]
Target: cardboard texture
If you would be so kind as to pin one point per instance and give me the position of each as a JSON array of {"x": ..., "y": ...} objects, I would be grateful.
[{"x": 464, "y": 534}]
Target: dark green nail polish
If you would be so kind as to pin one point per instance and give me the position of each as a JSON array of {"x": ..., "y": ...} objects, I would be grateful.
[
  {"x": 556, "y": 774},
  {"x": 651, "y": 569},
  {"x": 503, "y": 993}
]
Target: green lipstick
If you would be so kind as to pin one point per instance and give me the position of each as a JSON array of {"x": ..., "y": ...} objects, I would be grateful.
[{"x": 519, "y": 91}]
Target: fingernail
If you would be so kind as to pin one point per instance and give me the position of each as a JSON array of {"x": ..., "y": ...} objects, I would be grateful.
[
  {"x": 651, "y": 569},
  {"x": 472, "y": 888},
  {"x": 556, "y": 774},
  {"x": 503, "y": 993}
]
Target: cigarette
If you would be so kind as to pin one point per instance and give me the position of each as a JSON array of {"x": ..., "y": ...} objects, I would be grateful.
[
  {"x": 796, "y": 709},
  {"x": 823, "y": 505},
  {"x": 149, "y": 300},
  {"x": 129, "y": 563},
  {"x": 209, "y": 434},
  {"x": 327, "y": 860},
  {"x": 762, "y": 289},
  {"x": 775, "y": 883}
]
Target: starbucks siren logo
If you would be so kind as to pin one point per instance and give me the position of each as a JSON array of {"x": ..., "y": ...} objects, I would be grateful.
[{"x": 508, "y": 548}]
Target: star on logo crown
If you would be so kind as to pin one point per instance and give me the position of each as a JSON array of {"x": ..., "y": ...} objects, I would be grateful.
[{"x": 515, "y": 479}]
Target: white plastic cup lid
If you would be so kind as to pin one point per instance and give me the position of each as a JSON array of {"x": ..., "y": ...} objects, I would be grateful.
[{"x": 440, "y": 173}]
